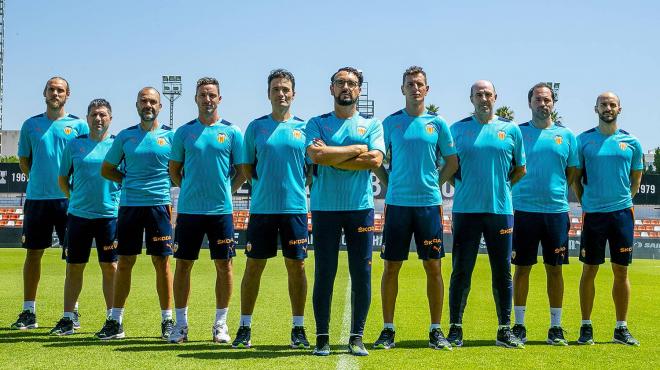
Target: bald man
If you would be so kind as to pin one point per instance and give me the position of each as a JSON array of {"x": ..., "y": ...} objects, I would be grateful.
[
  {"x": 138, "y": 160},
  {"x": 491, "y": 160},
  {"x": 613, "y": 160}
]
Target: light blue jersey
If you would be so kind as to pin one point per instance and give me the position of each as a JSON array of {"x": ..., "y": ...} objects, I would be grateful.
[
  {"x": 276, "y": 150},
  {"x": 92, "y": 196},
  {"x": 544, "y": 189},
  {"x": 341, "y": 190},
  {"x": 145, "y": 155},
  {"x": 487, "y": 153},
  {"x": 43, "y": 141},
  {"x": 415, "y": 146},
  {"x": 606, "y": 162},
  {"x": 208, "y": 154}
]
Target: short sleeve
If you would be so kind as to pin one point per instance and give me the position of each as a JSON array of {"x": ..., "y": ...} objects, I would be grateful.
[
  {"x": 519, "y": 149},
  {"x": 237, "y": 145},
  {"x": 376, "y": 140},
  {"x": 248, "y": 152},
  {"x": 445, "y": 139},
  {"x": 116, "y": 151},
  {"x": 638, "y": 156},
  {"x": 66, "y": 161},
  {"x": 178, "y": 153},
  {"x": 312, "y": 131},
  {"x": 573, "y": 160},
  {"x": 580, "y": 154},
  {"x": 82, "y": 128},
  {"x": 24, "y": 144}
]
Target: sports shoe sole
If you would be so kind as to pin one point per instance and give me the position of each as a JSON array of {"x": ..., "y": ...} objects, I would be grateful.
[
  {"x": 587, "y": 343},
  {"x": 444, "y": 348},
  {"x": 321, "y": 352},
  {"x": 63, "y": 333},
  {"x": 614, "y": 340},
  {"x": 382, "y": 346},
  {"x": 242, "y": 345},
  {"x": 557, "y": 343},
  {"x": 456, "y": 344},
  {"x": 121, "y": 335},
  {"x": 505, "y": 345},
  {"x": 31, "y": 326},
  {"x": 299, "y": 346},
  {"x": 357, "y": 353},
  {"x": 221, "y": 340}
]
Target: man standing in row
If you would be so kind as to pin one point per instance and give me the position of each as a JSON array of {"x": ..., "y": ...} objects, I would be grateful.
[
  {"x": 142, "y": 152},
  {"x": 492, "y": 160},
  {"x": 611, "y": 164},
  {"x": 93, "y": 203},
  {"x": 274, "y": 162},
  {"x": 203, "y": 153},
  {"x": 41, "y": 143},
  {"x": 416, "y": 142},
  {"x": 540, "y": 201},
  {"x": 344, "y": 147}
]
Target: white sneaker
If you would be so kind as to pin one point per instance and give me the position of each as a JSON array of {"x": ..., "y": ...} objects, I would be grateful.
[
  {"x": 179, "y": 334},
  {"x": 221, "y": 333}
]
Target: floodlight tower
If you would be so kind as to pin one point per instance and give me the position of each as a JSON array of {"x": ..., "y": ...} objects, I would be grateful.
[
  {"x": 172, "y": 90},
  {"x": 365, "y": 106},
  {"x": 2, "y": 55},
  {"x": 555, "y": 88}
]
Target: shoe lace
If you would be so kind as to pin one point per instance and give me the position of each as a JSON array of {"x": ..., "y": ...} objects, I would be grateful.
[
  {"x": 62, "y": 323},
  {"x": 386, "y": 334},
  {"x": 626, "y": 333},
  {"x": 299, "y": 333},
  {"x": 24, "y": 315},
  {"x": 109, "y": 326},
  {"x": 242, "y": 333}
]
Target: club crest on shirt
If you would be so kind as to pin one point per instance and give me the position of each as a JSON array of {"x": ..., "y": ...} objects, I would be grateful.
[
  {"x": 430, "y": 129},
  {"x": 297, "y": 134},
  {"x": 221, "y": 137},
  {"x": 68, "y": 130},
  {"x": 161, "y": 141},
  {"x": 559, "y": 139},
  {"x": 501, "y": 134},
  {"x": 361, "y": 130},
  {"x": 623, "y": 146}
]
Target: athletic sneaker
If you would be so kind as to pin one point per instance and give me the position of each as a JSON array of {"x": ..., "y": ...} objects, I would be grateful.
[
  {"x": 356, "y": 347},
  {"x": 586, "y": 335},
  {"x": 520, "y": 331},
  {"x": 63, "y": 327},
  {"x": 220, "y": 333},
  {"x": 112, "y": 329},
  {"x": 622, "y": 335},
  {"x": 506, "y": 339},
  {"x": 76, "y": 320},
  {"x": 243, "y": 338},
  {"x": 298, "y": 337},
  {"x": 437, "y": 340},
  {"x": 322, "y": 345},
  {"x": 166, "y": 328},
  {"x": 26, "y": 320},
  {"x": 179, "y": 334},
  {"x": 556, "y": 336},
  {"x": 385, "y": 340},
  {"x": 455, "y": 335}
]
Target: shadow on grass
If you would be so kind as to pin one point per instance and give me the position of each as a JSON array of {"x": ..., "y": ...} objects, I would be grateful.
[{"x": 425, "y": 343}]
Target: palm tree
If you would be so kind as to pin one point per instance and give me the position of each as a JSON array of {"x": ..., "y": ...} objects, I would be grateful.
[
  {"x": 556, "y": 118},
  {"x": 505, "y": 112},
  {"x": 432, "y": 108}
]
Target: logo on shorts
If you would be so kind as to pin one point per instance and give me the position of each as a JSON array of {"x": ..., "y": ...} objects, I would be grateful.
[
  {"x": 221, "y": 137},
  {"x": 298, "y": 242},
  {"x": 23, "y": 238},
  {"x": 625, "y": 250},
  {"x": 560, "y": 250},
  {"x": 430, "y": 129},
  {"x": 559, "y": 139},
  {"x": 365, "y": 229},
  {"x": 513, "y": 255},
  {"x": 361, "y": 130},
  {"x": 583, "y": 252},
  {"x": 297, "y": 134},
  {"x": 68, "y": 130},
  {"x": 248, "y": 246},
  {"x": 161, "y": 141},
  {"x": 225, "y": 241},
  {"x": 434, "y": 241},
  {"x": 110, "y": 247},
  {"x": 506, "y": 231},
  {"x": 175, "y": 247},
  {"x": 382, "y": 248},
  {"x": 501, "y": 134},
  {"x": 623, "y": 146},
  {"x": 161, "y": 238}
]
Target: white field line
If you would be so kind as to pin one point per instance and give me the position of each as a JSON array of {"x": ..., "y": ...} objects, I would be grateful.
[{"x": 346, "y": 360}]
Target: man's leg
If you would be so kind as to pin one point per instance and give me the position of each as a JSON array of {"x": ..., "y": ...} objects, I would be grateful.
[
  {"x": 499, "y": 239},
  {"x": 73, "y": 283},
  {"x": 521, "y": 286},
  {"x": 122, "y": 281},
  {"x": 250, "y": 286},
  {"x": 181, "y": 284},
  {"x": 164, "y": 281},
  {"x": 389, "y": 289},
  {"x": 435, "y": 288},
  {"x": 297, "y": 285},
  {"x": 224, "y": 282},
  {"x": 587, "y": 290},
  {"x": 555, "y": 285},
  {"x": 32, "y": 273},
  {"x": 108, "y": 271},
  {"x": 467, "y": 229}
]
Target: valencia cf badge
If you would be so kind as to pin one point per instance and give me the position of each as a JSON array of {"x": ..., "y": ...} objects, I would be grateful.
[
  {"x": 297, "y": 134},
  {"x": 623, "y": 146},
  {"x": 221, "y": 138},
  {"x": 501, "y": 135},
  {"x": 559, "y": 139},
  {"x": 161, "y": 141},
  {"x": 361, "y": 130},
  {"x": 68, "y": 130},
  {"x": 430, "y": 129}
]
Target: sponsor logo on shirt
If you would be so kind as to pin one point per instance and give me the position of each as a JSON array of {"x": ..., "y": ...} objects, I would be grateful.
[
  {"x": 559, "y": 139},
  {"x": 68, "y": 130},
  {"x": 221, "y": 138},
  {"x": 297, "y": 134},
  {"x": 361, "y": 130},
  {"x": 430, "y": 129},
  {"x": 501, "y": 134},
  {"x": 161, "y": 141}
]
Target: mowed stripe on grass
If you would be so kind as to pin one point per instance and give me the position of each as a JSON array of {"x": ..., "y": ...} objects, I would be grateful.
[{"x": 272, "y": 321}]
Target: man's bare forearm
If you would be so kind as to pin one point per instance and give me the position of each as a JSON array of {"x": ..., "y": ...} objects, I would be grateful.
[
  {"x": 332, "y": 155},
  {"x": 366, "y": 161}
]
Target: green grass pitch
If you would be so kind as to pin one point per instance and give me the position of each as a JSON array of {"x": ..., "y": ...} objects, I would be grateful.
[{"x": 271, "y": 322}]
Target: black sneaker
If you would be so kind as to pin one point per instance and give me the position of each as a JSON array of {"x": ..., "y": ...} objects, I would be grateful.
[
  {"x": 520, "y": 331},
  {"x": 166, "y": 328},
  {"x": 243, "y": 338},
  {"x": 556, "y": 336},
  {"x": 322, "y": 347},
  {"x": 385, "y": 340},
  {"x": 112, "y": 329},
  {"x": 506, "y": 339},
  {"x": 622, "y": 336},
  {"x": 26, "y": 320},
  {"x": 586, "y": 335},
  {"x": 63, "y": 327},
  {"x": 356, "y": 347},
  {"x": 455, "y": 335},
  {"x": 299, "y": 338},
  {"x": 437, "y": 340}
]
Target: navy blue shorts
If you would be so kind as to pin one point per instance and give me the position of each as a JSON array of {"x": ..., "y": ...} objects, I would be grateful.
[
  {"x": 151, "y": 221},
  {"x": 80, "y": 233},
  {"x": 262, "y": 235},
  {"x": 614, "y": 227},
  {"x": 401, "y": 223},
  {"x": 532, "y": 228},
  {"x": 190, "y": 231},
  {"x": 358, "y": 228},
  {"x": 40, "y": 217}
]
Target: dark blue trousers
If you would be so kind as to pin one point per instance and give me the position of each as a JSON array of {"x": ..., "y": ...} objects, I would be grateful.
[
  {"x": 327, "y": 229},
  {"x": 467, "y": 230}
]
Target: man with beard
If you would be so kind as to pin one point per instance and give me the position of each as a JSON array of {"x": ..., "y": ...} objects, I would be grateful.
[
  {"x": 92, "y": 210},
  {"x": 492, "y": 159},
  {"x": 344, "y": 148},
  {"x": 142, "y": 152},
  {"x": 540, "y": 201},
  {"x": 611, "y": 164},
  {"x": 41, "y": 143},
  {"x": 274, "y": 162},
  {"x": 203, "y": 153},
  {"x": 416, "y": 141}
]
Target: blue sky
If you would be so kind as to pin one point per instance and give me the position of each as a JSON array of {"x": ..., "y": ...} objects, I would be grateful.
[{"x": 111, "y": 49}]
